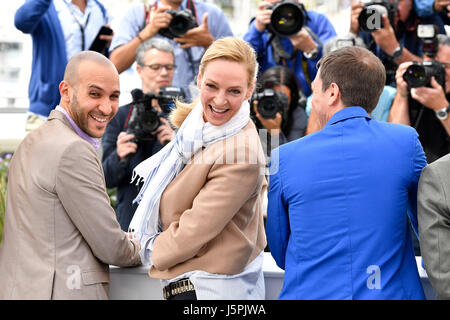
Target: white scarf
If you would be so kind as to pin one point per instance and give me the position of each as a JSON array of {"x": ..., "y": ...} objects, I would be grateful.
[{"x": 159, "y": 170}]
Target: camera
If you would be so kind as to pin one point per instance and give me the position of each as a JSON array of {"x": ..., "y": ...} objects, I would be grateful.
[
  {"x": 430, "y": 44},
  {"x": 182, "y": 21},
  {"x": 270, "y": 102},
  {"x": 144, "y": 119},
  {"x": 287, "y": 17},
  {"x": 419, "y": 74},
  {"x": 370, "y": 17}
]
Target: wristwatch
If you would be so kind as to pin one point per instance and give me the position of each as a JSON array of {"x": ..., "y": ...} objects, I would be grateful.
[
  {"x": 312, "y": 54},
  {"x": 397, "y": 53},
  {"x": 442, "y": 114}
]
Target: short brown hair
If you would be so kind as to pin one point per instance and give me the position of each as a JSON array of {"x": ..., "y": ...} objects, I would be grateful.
[{"x": 357, "y": 72}]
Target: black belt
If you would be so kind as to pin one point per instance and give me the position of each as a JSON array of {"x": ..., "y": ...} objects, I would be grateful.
[{"x": 177, "y": 287}]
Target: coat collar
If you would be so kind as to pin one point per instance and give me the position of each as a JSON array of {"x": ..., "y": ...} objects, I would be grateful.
[{"x": 347, "y": 113}]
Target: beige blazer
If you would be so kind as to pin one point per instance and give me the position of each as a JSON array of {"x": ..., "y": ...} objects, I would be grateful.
[
  {"x": 211, "y": 213},
  {"x": 433, "y": 211},
  {"x": 60, "y": 231}
]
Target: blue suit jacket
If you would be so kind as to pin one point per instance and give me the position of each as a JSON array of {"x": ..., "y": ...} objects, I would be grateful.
[{"x": 337, "y": 213}]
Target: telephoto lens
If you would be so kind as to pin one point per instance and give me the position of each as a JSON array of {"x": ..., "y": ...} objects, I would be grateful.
[
  {"x": 270, "y": 102},
  {"x": 419, "y": 74},
  {"x": 287, "y": 18},
  {"x": 370, "y": 18}
]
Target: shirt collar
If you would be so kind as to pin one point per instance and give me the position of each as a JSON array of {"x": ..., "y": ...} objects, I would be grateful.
[
  {"x": 347, "y": 113},
  {"x": 93, "y": 141}
]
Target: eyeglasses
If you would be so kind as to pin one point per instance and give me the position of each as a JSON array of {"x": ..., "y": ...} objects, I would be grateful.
[{"x": 158, "y": 67}]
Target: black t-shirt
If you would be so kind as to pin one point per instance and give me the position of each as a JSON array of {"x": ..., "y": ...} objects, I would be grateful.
[{"x": 432, "y": 134}]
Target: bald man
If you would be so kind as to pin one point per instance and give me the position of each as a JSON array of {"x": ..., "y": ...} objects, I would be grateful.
[{"x": 60, "y": 231}]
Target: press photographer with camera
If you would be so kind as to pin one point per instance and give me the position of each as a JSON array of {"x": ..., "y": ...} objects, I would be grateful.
[
  {"x": 278, "y": 105},
  {"x": 422, "y": 100},
  {"x": 185, "y": 23},
  {"x": 139, "y": 130},
  {"x": 285, "y": 33},
  {"x": 389, "y": 30}
]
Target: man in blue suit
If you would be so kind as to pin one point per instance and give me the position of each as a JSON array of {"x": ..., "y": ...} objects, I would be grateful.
[{"x": 338, "y": 198}]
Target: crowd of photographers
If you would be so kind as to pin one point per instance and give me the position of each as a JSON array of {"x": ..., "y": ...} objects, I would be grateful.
[{"x": 167, "y": 39}]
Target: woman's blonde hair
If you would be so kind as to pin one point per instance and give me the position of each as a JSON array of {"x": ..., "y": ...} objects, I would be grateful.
[{"x": 228, "y": 48}]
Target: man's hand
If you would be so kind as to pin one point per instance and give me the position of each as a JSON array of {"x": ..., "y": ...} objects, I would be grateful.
[
  {"x": 107, "y": 37},
  {"x": 159, "y": 19},
  {"x": 262, "y": 18},
  {"x": 164, "y": 133},
  {"x": 440, "y": 5},
  {"x": 357, "y": 7},
  {"x": 272, "y": 125},
  {"x": 432, "y": 98},
  {"x": 303, "y": 41},
  {"x": 402, "y": 86},
  {"x": 199, "y": 36},
  {"x": 385, "y": 37},
  {"x": 124, "y": 146}
]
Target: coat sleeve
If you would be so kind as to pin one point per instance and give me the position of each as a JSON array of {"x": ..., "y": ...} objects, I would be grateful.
[
  {"x": 434, "y": 230},
  {"x": 230, "y": 185},
  {"x": 81, "y": 189},
  {"x": 277, "y": 225},
  {"x": 418, "y": 163},
  {"x": 29, "y": 15}
]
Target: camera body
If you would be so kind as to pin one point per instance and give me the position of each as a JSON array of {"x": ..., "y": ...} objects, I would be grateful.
[
  {"x": 144, "y": 119},
  {"x": 419, "y": 74},
  {"x": 370, "y": 18},
  {"x": 182, "y": 21},
  {"x": 287, "y": 18},
  {"x": 270, "y": 102}
]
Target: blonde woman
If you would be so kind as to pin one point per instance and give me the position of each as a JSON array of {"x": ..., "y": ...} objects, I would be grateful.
[{"x": 200, "y": 220}]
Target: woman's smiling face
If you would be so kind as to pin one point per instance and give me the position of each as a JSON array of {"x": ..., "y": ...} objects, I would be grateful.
[{"x": 223, "y": 88}]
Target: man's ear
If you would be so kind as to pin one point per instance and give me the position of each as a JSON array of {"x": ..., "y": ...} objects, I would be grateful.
[
  {"x": 65, "y": 91},
  {"x": 334, "y": 94},
  {"x": 139, "y": 70}
]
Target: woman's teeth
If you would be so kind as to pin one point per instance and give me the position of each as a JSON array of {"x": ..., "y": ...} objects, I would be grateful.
[{"x": 218, "y": 111}]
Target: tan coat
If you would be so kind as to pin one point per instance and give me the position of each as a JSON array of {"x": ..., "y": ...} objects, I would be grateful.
[
  {"x": 60, "y": 231},
  {"x": 211, "y": 212}
]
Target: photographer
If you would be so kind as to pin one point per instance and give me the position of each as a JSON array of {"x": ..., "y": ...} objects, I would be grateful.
[
  {"x": 299, "y": 47},
  {"x": 155, "y": 66},
  {"x": 420, "y": 107},
  {"x": 142, "y": 22},
  {"x": 289, "y": 122},
  {"x": 395, "y": 39}
]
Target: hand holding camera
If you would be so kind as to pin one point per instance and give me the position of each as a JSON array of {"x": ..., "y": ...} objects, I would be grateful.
[
  {"x": 197, "y": 36},
  {"x": 273, "y": 125},
  {"x": 125, "y": 144},
  {"x": 284, "y": 18},
  {"x": 159, "y": 19}
]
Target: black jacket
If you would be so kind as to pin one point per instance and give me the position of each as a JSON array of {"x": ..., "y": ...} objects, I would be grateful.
[{"x": 120, "y": 177}]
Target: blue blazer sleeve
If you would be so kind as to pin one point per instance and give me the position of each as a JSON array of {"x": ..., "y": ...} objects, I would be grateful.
[
  {"x": 418, "y": 162},
  {"x": 29, "y": 15},
  {"x": 277, "y": 226}
]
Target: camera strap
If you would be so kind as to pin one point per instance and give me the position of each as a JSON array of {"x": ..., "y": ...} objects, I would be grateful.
[{"x": 128, "y": 116}]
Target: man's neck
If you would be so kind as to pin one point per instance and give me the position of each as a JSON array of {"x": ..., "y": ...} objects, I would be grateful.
[
  {"x": 80, "y": 4},
  {"x": 174, "y": 5}
]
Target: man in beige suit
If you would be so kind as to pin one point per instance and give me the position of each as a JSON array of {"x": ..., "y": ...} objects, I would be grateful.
[{"x": 60, "y": 231}]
